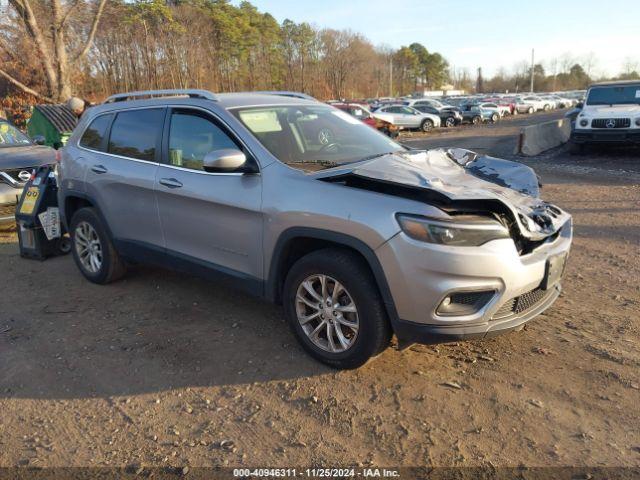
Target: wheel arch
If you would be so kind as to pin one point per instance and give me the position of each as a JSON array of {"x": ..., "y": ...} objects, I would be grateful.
[
  {"x": 74, "y": 201},
  {"x": 296, "y": 242}
]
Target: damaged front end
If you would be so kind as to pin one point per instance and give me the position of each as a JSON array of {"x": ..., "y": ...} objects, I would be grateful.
[{"x": 463, "y": 184}]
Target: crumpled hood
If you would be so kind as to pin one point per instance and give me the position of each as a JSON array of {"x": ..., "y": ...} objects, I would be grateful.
[
  {"x": 26, "y": 156},
  {"x": 462, "y": 175}
]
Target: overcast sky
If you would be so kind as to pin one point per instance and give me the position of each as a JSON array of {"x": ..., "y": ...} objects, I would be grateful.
[{"x": 485, "y": 33}]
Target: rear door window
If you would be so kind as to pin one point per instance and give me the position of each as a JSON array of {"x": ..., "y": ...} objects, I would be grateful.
[
  {"x": 95, "y": 134},
  {"x": 136, "y": 133}
]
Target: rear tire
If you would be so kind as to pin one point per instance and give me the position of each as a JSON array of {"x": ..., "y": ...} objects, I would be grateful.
[
  {"x": 426, "y": 125},
  {"x": 494, "y": 118},
  {"x": 530, "y": 111},
  {"x": 373, "y": 332},
  {"x": 477, "y": 120},
  {"x": 93, "y": 250}
]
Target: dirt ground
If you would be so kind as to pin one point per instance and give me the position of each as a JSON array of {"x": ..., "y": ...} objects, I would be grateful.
[{"x": 163, "y": 369}]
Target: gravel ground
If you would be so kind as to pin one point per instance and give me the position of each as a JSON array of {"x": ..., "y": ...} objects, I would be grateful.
[{"x": 162, "y": 369}]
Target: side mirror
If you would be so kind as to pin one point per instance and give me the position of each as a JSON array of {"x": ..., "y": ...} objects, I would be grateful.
[
  {"x": 580, "y": 105},
  {"x": 39, "y": 140},
  {"x": 224, "y": 160}
]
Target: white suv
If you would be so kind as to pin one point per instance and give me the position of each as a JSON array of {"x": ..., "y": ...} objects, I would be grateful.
[{"x": 610, "y": 115}]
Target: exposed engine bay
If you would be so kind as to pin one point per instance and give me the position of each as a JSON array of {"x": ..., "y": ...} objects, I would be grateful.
[{"x": 461, "y": 182}]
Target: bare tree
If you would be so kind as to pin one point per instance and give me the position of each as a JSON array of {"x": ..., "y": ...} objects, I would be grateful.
[{"x": 52, "y": 46}]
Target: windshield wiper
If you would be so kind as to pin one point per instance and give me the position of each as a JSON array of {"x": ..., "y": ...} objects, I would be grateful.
[{"x": 376, "y": 155}]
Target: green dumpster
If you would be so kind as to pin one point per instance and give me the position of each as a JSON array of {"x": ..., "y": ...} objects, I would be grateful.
[{"x": 54, "y": 122}]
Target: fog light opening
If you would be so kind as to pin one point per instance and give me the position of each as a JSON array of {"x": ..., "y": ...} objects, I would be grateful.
[{"x": 464, "y": 303}]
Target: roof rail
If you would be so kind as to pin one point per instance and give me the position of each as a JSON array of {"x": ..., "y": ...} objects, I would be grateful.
[
  {"x": 122, "y": 97},
  {"x": 285, "y": 93}
]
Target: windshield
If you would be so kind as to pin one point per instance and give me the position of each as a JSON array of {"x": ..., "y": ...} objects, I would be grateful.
[
  {"x": 314, "y": 137},
  {"x": 10, "y": 136},
  {"x": 614, "y": 95}
]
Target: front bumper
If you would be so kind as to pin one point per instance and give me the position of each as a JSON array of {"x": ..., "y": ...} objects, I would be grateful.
[
  {"x": 613, "y": 135},
  {"x": 411, "y": 332},
  {"x": 421, "y": 275},
  {"x": 8, "y": 200}
]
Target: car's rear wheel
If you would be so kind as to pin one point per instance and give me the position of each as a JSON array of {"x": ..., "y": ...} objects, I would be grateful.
[
  {"x": 494, "y": 118},
  {"x": 426, "y": 125},
  {"x": 476, "y": 120},
  {"x": 547, "y": 107},
  {"x": 531, "y": 110},
  {"x": 334, "y": 308},
  {"x": 93, "y": 250}
]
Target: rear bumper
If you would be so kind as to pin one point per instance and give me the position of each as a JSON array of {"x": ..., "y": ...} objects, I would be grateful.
[
  {"x": 411, "y": 332},
  {"x": 614, "y": 135}
]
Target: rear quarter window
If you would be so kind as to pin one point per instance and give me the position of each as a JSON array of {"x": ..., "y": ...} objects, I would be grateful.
[{"x": 94, "y": 136}]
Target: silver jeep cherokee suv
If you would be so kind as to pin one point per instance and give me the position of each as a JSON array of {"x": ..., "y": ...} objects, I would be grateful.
[{"x": 356, "y": 235}]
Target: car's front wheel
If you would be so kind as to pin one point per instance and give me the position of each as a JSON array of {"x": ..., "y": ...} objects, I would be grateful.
[
  {"x": 477, "y": 120},
  {"x": 93, "y": 251},
  {"x": 334, "y": 308},
  {"x": 494, "y": 118},
  {"x": 531, "y": 110},
  {"x": 450, "y": 122}
]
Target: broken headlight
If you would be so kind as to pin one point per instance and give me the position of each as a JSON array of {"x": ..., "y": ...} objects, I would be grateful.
[{"x": 471, "y": 232}]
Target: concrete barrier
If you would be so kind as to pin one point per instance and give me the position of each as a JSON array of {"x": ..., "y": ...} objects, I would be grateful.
[{"x": 538, "y": 138}]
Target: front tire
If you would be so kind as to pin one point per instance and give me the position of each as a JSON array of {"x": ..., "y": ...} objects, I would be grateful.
[
  {"x": 530, "y": 111},
  {"x": 93, "y": 250},
  {"x": 450, "y": 122},
  {"x": 477, "y": 120},
  {"x": 494, "y": 118},
  {"x": 333, "y": 306}
]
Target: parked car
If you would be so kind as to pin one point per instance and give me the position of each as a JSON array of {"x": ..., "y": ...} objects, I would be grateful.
[
  {"x": 562, "y": 102},
  {"x": 429, "y": 102},
  {"x": 475, "y": 114},
  {"x": 501, "y": 109},
  {"x": 522, "y": 107},
  {"x": 381, "y": 122},
  {"x": 610, "y": 116},
  {"x": 536, "y": 102},
  {"x": 449, "y": 117},
  {"x": 19, "y": 156},
  {"x": 553, "y": 103},
  {"x": 353, "y": 238},
  {"x": 408, "y": 117}
]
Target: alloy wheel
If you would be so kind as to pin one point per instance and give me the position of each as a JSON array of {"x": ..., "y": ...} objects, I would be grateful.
[
  {"x": 327, "y": 313},
  {"x": 88, "y": 247}
]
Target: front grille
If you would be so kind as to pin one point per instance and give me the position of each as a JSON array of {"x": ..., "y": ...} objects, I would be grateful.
[
  {"x": 611, "y": 123},
  {"x": 13, "y": 175},
  {"x": 521, "y": 304}
]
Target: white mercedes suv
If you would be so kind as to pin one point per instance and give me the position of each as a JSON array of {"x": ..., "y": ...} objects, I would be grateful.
[{"x": 610, "y": 115}]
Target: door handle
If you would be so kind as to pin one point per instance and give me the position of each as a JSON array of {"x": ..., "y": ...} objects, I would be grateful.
[
  {"x": 170, "y": 182},
  {"x": 99, "y": 169}
]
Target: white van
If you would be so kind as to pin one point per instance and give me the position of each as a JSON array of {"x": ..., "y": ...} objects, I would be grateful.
[{"x": 610, "y": 115}]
